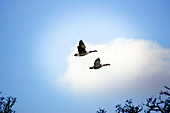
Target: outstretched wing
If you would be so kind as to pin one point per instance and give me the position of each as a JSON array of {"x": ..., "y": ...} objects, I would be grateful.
[
  {"x": 81, "y": 47},
  {"x": 97, "y": 62}
]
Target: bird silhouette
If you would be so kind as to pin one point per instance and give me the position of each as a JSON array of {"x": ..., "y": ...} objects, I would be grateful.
[
  {"x": 82, "y": 49},
  {"x": 98, "y": 65}
]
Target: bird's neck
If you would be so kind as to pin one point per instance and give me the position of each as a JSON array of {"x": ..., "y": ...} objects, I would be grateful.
[
  {"x": 92, "y": 51},
  {"x": 106, "y": 64}
]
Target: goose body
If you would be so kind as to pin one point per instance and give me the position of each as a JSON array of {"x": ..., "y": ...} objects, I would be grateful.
[
  {"x": 98, "y": 65},
  {"x": 82, "y": 49}
]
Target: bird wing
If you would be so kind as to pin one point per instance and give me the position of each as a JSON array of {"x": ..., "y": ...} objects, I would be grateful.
[
  {"x": 81, "y": 47},
  {"x": 97, "y": 62}
]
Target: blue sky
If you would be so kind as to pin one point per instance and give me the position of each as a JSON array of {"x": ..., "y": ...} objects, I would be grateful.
[{"x": 38, "y": 37}]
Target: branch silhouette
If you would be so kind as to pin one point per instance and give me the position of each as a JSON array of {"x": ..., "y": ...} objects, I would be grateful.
[
  {"x": 161, "y": 103},
  {"x": 101, "y": 111},
  {"x": 6, "y": 104},
  {"x": 128, "y": 107},
  {"x": 152, "y": 104}
]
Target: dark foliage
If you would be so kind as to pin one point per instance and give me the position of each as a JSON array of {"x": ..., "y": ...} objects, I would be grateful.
[
  {"x": 128, "y": 107},
  {"x": 160, "y": 104},
  {"x": 6, "y": 104},
  {"x": 101, "y": 111}
]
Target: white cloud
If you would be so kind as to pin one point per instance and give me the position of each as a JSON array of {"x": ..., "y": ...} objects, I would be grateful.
[{"x": 136, "y": 66}]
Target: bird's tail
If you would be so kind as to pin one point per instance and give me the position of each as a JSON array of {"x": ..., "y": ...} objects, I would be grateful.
[{"x": 91, "y": 67}]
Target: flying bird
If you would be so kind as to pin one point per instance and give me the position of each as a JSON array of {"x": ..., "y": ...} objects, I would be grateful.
[
  {"x": 97, "y": 64},
  {"x": 82, "y": 49}
]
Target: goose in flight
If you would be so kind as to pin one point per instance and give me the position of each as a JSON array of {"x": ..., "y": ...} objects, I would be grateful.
[
  {"x": 82, "y": 49},
  {"x": 97, "y": 64}
]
